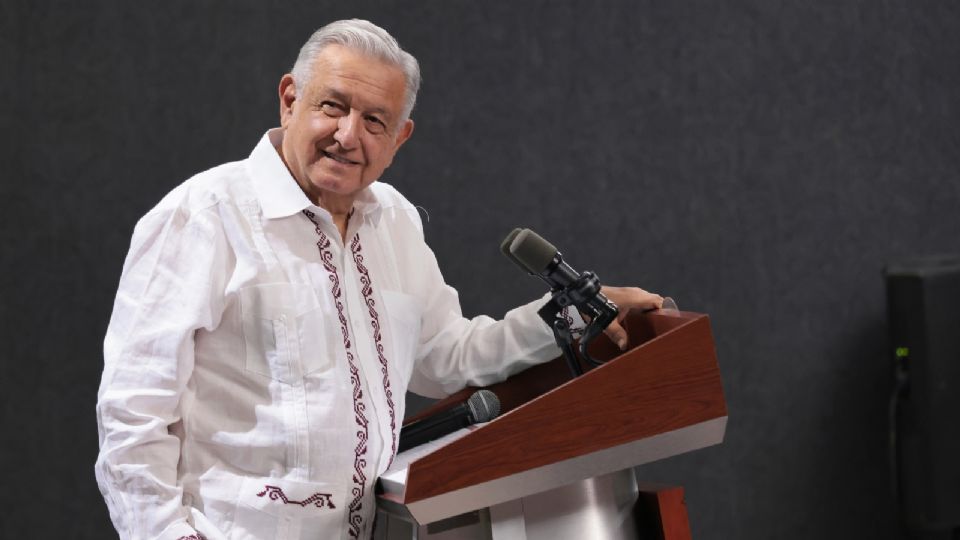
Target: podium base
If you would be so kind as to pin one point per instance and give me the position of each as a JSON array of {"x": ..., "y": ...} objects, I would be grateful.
[{"x": 600, "y": 508}]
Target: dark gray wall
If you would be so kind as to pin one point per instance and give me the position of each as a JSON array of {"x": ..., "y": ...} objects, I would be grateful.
[{"x": 760, "y": 161}]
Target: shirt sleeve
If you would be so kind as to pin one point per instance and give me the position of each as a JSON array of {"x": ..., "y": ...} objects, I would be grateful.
[
  {"x": 456, "y": 351},
  {"x": 171, "y": 286}
]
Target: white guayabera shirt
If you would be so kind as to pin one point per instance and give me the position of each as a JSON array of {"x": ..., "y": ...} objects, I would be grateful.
[{"x": 256, "y": 365}]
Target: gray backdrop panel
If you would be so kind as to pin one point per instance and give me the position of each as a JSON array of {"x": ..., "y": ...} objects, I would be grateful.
[{"x": 759, "y": 161}]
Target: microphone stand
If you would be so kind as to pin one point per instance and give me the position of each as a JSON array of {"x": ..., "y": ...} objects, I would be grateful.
[{"x": 583, "y": 295}]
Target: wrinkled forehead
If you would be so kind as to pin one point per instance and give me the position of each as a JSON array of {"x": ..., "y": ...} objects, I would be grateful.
[{"x": 359, "y": 78}]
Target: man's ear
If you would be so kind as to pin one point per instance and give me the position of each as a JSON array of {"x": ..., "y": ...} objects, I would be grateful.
[
  {"x": 406, "y": 130},
  {"x": 288, "y": 97}
]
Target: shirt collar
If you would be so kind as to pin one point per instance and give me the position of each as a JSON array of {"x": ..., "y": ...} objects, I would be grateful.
[{"x": 280, "y": 195}]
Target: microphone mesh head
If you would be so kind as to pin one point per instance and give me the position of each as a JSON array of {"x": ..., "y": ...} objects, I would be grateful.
[
  {"x": 505, "y": 246},
  {"x": 532, "y": 251},
  {"x": 484, "y": 405}
]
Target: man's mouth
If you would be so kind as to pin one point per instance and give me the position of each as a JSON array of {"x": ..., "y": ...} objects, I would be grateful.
[{"x": 338, "y": 159}]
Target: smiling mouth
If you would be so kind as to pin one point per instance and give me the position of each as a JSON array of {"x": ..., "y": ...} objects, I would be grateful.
[{"x": 338, "y": 159}]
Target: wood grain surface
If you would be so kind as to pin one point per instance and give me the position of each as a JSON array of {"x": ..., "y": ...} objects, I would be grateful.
[{"x": 666, "y": 380}]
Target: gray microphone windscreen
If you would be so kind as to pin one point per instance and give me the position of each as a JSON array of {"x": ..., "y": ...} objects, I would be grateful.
[
  {"x": 484, "y": 405},
  {"x": 505, "y": 246},
  {"x": 532, "y": 251}
]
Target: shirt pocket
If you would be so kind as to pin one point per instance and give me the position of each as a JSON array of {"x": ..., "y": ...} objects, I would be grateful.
[
  {"x": 404, "y": 313},
  {"x": 284, "y": 332}
]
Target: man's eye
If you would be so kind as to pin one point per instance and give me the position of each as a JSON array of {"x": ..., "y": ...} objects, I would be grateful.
[
  {"x": 330, "y": 108},
  {"x": 375, "y": 125}
]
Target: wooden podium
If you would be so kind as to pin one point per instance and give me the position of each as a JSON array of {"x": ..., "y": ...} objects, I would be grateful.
[{"x": 558, "y": 462}]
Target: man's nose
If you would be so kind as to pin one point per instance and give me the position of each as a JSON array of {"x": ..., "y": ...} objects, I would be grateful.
[{"x": 348, "y": 130}]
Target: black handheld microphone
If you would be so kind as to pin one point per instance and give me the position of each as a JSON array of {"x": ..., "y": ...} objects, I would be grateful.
[{"x": 482, "y": 406}]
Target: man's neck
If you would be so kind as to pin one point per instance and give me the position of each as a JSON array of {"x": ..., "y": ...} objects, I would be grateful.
[
  {"x": 341, "y": 221},
  {"x": 340, "y": 208}
]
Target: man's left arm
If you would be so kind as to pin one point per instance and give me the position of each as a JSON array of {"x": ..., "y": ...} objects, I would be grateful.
[{"x": 456, "y": 351}]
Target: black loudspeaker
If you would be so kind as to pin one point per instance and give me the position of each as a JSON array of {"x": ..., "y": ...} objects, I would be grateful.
[{"x": 923, "y": 299}]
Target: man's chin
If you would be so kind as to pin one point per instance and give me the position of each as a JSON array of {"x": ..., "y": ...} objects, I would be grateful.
[
  {"x": 326, "y": 188},
  {"x": 334, "y": 183}
]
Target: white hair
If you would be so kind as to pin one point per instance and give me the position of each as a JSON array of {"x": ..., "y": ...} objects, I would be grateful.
[{"x": 364, "y": 37}]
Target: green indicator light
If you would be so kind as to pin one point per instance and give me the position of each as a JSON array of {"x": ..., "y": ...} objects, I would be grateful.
[{"x": 903, "y": 352}]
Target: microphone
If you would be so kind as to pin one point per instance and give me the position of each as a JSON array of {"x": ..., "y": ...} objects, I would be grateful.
[
  {"x": 534, "y": 254},
  {"x": 542, "y": 259},
  {"x": 482, "y": 406},
  {"x": 539, "y": 257}
]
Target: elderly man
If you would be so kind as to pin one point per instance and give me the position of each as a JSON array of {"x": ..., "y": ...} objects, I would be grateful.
[{"x": 273, "y": 312}]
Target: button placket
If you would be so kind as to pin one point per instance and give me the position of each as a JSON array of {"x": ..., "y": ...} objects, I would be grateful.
[
  {"x": 366, "y": 356},
  {"x": 367, "y": 450}
]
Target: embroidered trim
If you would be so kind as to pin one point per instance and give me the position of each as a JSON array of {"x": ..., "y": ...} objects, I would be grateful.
[
  {"x": 367, "y": 290},
  {"x": 565, "y": 313},
  {"x": 317, "y": 499},
  {"x": 355, "y": 517},
  {"x": 197, "y": 536}
]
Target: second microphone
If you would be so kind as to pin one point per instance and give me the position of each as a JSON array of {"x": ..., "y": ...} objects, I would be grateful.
[{"x": 482, "y": 406}]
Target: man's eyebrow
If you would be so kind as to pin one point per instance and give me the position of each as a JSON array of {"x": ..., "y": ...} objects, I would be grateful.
[{"x": 334, "y": 93}]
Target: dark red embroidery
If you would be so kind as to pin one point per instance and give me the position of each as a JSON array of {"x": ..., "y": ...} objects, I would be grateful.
[
  {"x": 197, "y": 536},
  {"x": 317, "y": 499},
  {"x": 565, "y": 312},
  {"x": 367, "y": 291},
  {"x": 355, "y": 517}
]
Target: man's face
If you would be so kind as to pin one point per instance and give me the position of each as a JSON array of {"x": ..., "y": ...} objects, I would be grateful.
[{"x": 344, "y": 129}]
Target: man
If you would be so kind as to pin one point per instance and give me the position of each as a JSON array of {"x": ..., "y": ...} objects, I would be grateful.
[{"x": 273, "y": 312}]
